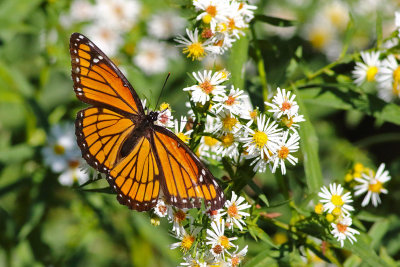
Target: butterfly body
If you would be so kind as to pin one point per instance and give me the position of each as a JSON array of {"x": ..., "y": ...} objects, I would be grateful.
[{"x": 142, "y": 161}]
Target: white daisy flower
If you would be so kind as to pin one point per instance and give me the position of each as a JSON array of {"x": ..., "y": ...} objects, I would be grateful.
[
  {"x": 218, "y": 241},
  {"x": 187, "y": 239},
  {"x": 232, "y": 102},
  {"x": 161, "y": 209},
  {"x": 61, "y": 147},
  {"x": 260, "y": 164},
  {"x": 228, "y": 146},
  {"x": 235, "y": 24},
  {"x": 121, "y": 15},
  {"x": 283, "y": 104},
  {"x": 368, "y": 69},
  {"x": 397, "y": 19},
  {"x": 209, "y": 85},
  {"x": 73, "y": 173},
  {"x": 80, "y": 10},
  {"x": 151, "y": 57},
  {"x": 105, "y": 37},
  {"x": 166, "y": 24},
  {"x": 177, "y": 217},
  {"x": 192, "y": 46},
  {"x": 389, "y": 79},
  {"x": 373, "y": 185},
  {"x": 193, "y": 261},
  {"x": 180, "y": 130},
  {"x": 213, "y": 214},
  {"x": 227, "y": 123},
  {"x": 234, "y": 211},
  {"x": 213, "y": 11},
  {"x": 237, "y": 257},
  {"x": 337, "y": 13},
  {"x": 165, "y": 118},
  {"x": 286, "y": 147},
  {"x": 342, "y": 231},
  {"x": 264, "y": 140},
  {"x": 334, "y": 201}
]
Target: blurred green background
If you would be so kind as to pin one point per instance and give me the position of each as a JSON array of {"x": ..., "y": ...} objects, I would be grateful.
[{"x": 46, "y": 224}]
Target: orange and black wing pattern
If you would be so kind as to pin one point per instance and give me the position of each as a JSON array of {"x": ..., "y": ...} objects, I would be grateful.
[
  {"x": 110, "y": 145},
  {"x": 97, "y": 81},
  {"x": 186, "y": 181}
]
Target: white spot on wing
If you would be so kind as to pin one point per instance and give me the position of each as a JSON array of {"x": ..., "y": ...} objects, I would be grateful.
[
  {"x": 81, "y": 36},
  {"x": 100, "y": 57},
  {"x": 95, "y": 60}
]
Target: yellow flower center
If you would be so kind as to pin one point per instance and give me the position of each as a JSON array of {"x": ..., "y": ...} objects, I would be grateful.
[
  {"x": 371, "y": 73},
  {"x": 396, "y": 81},
  {"x": 260, "y": 139},
  {"x": 217, "y": 249},
  {"x": 224, "y": 74},
  {"x": 341, "y": 227},
  {"x": 207, "y": 18},
  {"x": 348, "y": 178},
  {"x": 165, "y": 106},
  {"x": 211, "y": 10},
  {"x": 187, "y": 242},
  {"x": 286, "y": 106},
  {"x": 58, "y": 149},
  {"x": 231, "y": 24},
  {"x": 210, "y": 141},
  {"x": 224, "y": 241},
  {"x": 280, "y": 238},
  {"x": 337, "y": 200},
  {"x": 230, "y": 101},
  {"x": 179, "y": 216},
  {"x": 233, "y": 211},
  {"x": 222, "y": 27},
  {"x": 73, "y": 164},
  {"x": 229, "y": 122},
  {"x": 319, "y": 38},
  {"x": 358, "y": 167},
  {"x": 376, "y": 187},
  {"x": 207, "y": 87},
  {"x": 227, "y": 139},
  {"x": 283, "y": 152},
  {"x": 319, "y": 208},
  {"x": 337, "y": 211},
  {"x": 287, "y": 122},
  {"x": 235, "y": 260},
  {"x": 183, "y": 137},
  {"x": 253, "y": 114},
  {"x": 195, "y": 50},
  {"x": 155, "y": 221},
  {"x": 330, "y": 217}
]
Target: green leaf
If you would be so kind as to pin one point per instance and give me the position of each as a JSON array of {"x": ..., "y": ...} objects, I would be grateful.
[
  {"x": 274, "y": 21},
  {"x": 309, "y": 148},
  {"x": 237, "y": 60},
  {"x": 259, "y": 192},
  {"x": 261, "y": 259},
  {"x": 258, "y": 232},
  {"x": 377, "y": 232}
]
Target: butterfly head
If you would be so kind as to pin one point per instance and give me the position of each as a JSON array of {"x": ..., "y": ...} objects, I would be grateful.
[{"x": 153, "y": 116}]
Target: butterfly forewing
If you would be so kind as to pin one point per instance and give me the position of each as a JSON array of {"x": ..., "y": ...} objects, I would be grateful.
[
  {"x": 98, "y": 81},
  {"x": 118, "y": 139}
]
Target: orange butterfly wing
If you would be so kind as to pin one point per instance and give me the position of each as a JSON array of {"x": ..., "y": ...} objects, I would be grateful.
[
  {"x": 186, "y": 179},
  {"x": 138, "y": 158},
  {"x": 97, "y": 81}
]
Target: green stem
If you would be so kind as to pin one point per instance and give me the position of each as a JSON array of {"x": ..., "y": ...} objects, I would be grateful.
[{"x": 260, "y": 65}]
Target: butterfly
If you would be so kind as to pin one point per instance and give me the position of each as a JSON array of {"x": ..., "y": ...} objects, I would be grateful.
[{"x": 142, "y": 161}]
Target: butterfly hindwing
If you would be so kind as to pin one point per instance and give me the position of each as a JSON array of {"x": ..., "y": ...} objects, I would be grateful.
[
  {"x": 100, "y": 134},
  {"x": 97, "y": 81},
  {"x": 186, "y": 180}
]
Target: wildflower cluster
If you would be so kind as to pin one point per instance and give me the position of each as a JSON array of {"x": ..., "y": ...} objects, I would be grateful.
[
  {"x": 203, "y": 235},
  {"x": 235, "y": 130},
  {"x": 337, "y": 206},
  {"x": 63, "y": 156},
  {"x": 219, "y": 24},
  {"x": 381, "y": 67}
]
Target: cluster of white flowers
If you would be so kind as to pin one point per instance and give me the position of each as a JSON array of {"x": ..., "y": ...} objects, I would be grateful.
[
  {"x": 110, "y": 19},
  {"x": 338, "y": 208},
  {"x": 380, "y": 69},
  {"x": 221, "y": 24},
  {"x": 337, "y": 205},
  {"x": 63, "y": 156},
  {"x": 235, "y": 130},
  {"x": 213, "y": 244}
]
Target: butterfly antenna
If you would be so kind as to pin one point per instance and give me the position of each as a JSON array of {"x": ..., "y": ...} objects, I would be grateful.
[{"x": 166, "y": 79}]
